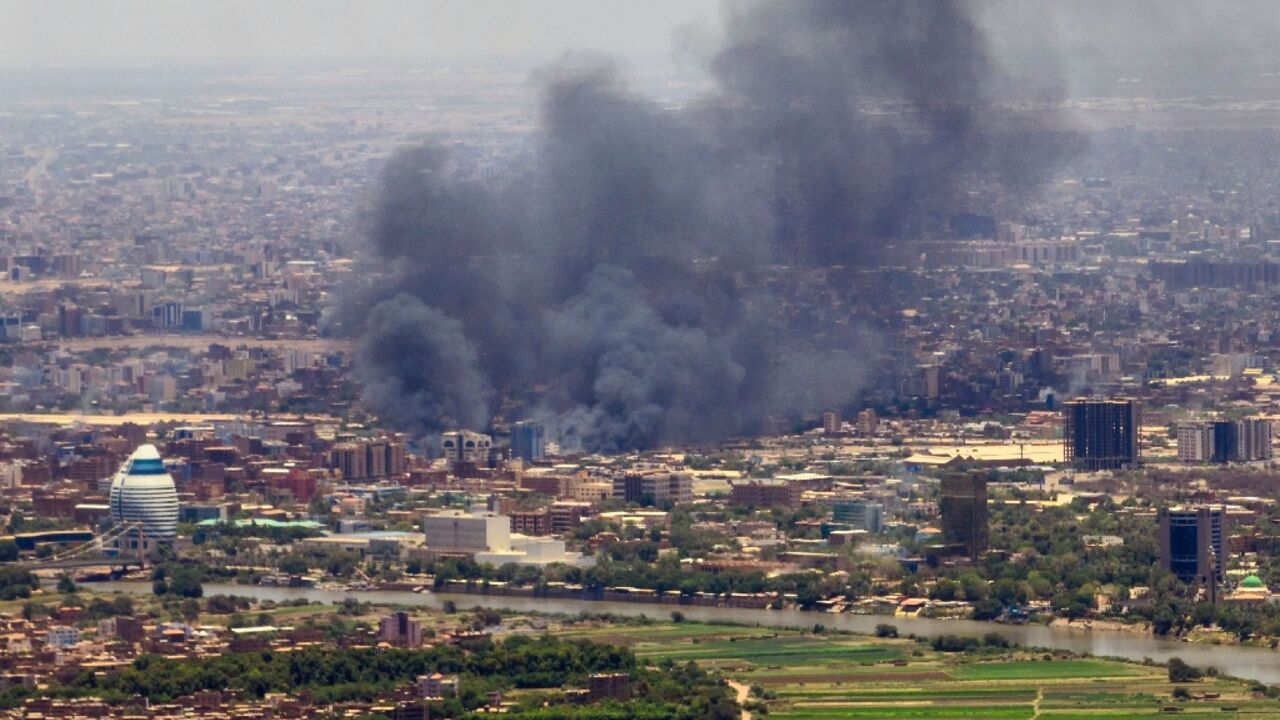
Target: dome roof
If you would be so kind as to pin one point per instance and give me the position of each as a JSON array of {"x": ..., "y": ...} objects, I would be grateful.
[
  {"x": 144, "y": 492},
  {"x": 1252, "y": 582},
  {"x": 145, "y": 452},
  {"x": 144, "y": 461}
]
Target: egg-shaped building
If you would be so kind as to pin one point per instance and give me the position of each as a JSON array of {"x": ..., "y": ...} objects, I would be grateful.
[{"x": 143, "y": 492}]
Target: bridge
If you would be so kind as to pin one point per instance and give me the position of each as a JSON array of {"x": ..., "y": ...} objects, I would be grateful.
[{"x": 98, "y": 551}]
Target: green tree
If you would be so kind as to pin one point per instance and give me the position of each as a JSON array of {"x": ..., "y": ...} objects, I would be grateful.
[
  {"x": 190, "y": 609},
  {"x": 944, "y": 590},
  {"x": 185, "y": 581},
  {"x": 884, "y": 630},
  {"x": 1180, "y": 672},
  {"x": 294, "y": 564}
]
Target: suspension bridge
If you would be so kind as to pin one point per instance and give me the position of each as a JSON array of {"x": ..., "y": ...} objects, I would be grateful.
[{"x": 103, "y": 550}]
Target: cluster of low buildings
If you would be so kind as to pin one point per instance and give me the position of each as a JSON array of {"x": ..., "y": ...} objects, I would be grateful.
[{"x": 65, "y": 644}]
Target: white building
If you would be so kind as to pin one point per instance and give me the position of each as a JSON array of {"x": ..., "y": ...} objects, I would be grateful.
[
  {"x": 537, "y": 551},
  {"x": 1253, "y": 440},
  {"x": 1233, "y": 364},
  {"x": 466, "y": 446},
  {"x": 456, "y": 530},
  {"x": 143, "y": 492},
  {"x": 487, "y": 537},
  {"x": 1195, "y": 443},
  {"x": 1245, "y": 440},
  {"x": 61, "y": 636}
]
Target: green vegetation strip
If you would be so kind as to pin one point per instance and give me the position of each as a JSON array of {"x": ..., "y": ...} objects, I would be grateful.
[{"x": 1024, "y": 670}]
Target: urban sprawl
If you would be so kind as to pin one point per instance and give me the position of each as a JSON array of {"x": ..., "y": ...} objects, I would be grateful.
[{"x": 1066, "y": 418}]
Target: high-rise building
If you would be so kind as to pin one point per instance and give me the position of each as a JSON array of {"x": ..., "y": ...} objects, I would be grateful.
[
  {"x": 349, "y": 459},
  {"x": 857, "y": 514},
  {"x": 831, "y": 422},
  {"x": 167, "y": 315},
  {"x": 1195, "y": 443},
  {"x": 1192, "y": 544},
  {"x": 67, "y": 265},
  {"x": 629, "y": 488},
  {"x": 69, "y": 320},
  {"x": 1223, "y": 441},
  {"x": 375, "y": 458},
  {"x": 528, "y": 441},
  {"x": 368, "y": 458},
  {"x": 465, "y": 446},
  {"x": 963, "y": 504},
  {"x": 868, "y": 423},
  {"x": 143, "y": 492},
  {"x": 1101, "y": 434},
  {"x": 1253, "y": 440}
]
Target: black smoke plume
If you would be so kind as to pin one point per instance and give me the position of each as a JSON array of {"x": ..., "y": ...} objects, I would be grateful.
[{"x": 616, "y": 281}]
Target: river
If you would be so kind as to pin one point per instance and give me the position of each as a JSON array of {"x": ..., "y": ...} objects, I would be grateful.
[{"x": 1244, "y": 662}]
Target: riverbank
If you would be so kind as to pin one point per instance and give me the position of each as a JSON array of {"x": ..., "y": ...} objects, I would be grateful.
[
  {"x": 1251, "y": 663},
  {"x": 886, "y": 609},
  {"x": 889, "y": 608},
  {"x": 1142, "y": 628}
]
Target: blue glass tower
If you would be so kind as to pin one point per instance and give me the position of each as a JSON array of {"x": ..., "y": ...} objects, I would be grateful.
[{"x": 528, "y": 440}]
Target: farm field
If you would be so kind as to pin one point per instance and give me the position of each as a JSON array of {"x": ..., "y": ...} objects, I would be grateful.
[{"x": 829, "y": 675}]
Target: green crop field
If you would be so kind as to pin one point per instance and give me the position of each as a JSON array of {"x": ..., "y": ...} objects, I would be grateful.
[
  {"x": 1007, "y": 670},
  {"x": 803, "y": 676}
]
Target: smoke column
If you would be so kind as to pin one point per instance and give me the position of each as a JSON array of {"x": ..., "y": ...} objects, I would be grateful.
[{"x": 613, "y": 283}]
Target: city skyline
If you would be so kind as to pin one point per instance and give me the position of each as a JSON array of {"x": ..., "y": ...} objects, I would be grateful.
[{"x": 689, "y": 360}]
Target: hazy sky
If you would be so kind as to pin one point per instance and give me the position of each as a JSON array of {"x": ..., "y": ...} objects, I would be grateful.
[
  {"x": 218, "y": 32},
  {"x": 1093, "y": 46}
]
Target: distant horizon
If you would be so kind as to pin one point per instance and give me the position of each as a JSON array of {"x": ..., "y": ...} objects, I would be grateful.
[
  {"x": 1086, "y": 47},
  {"x": 76, "y": 33}
]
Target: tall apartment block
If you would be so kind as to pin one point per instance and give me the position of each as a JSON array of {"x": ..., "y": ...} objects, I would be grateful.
[
  {"x": 1223, "y": 441},
  {"x": 1101, "y": 434},
  {"x": 1192, "y": 544},
  {"x": 528, "y": 441},
  {"x": 963, "y": 504},
  {"x": 1195, "y": 442}
]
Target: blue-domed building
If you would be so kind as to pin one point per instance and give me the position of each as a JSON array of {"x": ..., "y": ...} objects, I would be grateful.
[{"x": 143, "y": 492}]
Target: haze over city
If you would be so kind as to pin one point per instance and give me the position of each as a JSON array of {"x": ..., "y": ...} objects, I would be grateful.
[{"x": 599, "y": 359}]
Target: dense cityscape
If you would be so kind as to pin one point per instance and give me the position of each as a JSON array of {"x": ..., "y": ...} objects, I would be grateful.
[{"x": 441, "y": 392}]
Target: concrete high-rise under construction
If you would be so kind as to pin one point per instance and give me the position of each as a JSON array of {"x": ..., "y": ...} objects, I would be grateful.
[
  {"x": 1101, "y": 434},
  {"x": 963, "y": 504}
]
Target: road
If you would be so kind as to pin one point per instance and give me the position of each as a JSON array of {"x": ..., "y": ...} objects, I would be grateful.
[
  {"x": 743, "y": 692},
  {"x": 38, "y": 176}
]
